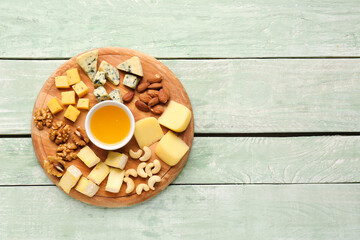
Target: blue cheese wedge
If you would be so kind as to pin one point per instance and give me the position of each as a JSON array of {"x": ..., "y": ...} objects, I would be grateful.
[
  {"x": 115, "y": 180},
  {"x": 87, "y": 187},
  {"x": 132, "y": 65},
  {"x": 111, "y": 73},
  {"x": 88, "y": 62},
  {"x": 101, "y": 94},
  {"x": 99, "y": 79},
  {"x": 131, "y": 81},
  {"x": 116, "y": 95}
]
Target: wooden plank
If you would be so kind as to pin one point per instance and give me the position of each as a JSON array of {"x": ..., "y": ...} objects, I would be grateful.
[
  {"x": 231, "y": 96},
  {"x": 251, "y": 28},
  {"x": 188, "y": 212},
  {"x": 227, "y": 160}
]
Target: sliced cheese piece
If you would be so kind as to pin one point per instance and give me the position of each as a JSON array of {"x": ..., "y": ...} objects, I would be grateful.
[
  {"x": 101, "y": 94},
  {"x": 88, "y": 62},
  {"x": 68, "y": 97},
  {"x": 115, "y": 180},
  {"x": 131, "y": 81},
  {"x": 99, "y": 173},
  {"x": 88, "y": 157},
  {"x": 111, "y": 73},
  {"x": 171, "y": 148},
  {"x": 54, "y": 105},
  {"x": 72, "y": 113},
  {"x": 83, "y": 103},
  {"x": 81, "y": 89},
  {"x": 61, "y": 82},
  {"x": 132, "y": 65},
  {"x": 70, "y": 178},
  {"x": 175, "y": 117},
  {"x": 87, "y": 187},
  {"x": 116, "y": 96},
  {"x": 147, "y": 131},
  {"x": 73, "y": 76},
  {"x": 99, "y": 79},
  {"x": 116, "y": 160}
]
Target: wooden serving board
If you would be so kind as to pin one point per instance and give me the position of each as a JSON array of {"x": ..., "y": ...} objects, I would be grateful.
[{"x": 44, "y": 147}]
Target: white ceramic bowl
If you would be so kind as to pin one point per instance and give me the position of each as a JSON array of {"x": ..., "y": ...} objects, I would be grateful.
[{"x": 104, "y": 145}]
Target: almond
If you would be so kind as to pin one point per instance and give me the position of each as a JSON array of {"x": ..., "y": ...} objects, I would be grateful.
[
  {"x": 145, "y": 97},
  {"x": 156, "y": 79},
  {"x": 153, "y": 102},
  {"x": 155, "y": 86},
  {"x": 158, "y": 109},
  {"x": 141, "y": 106},
  {"x": 143, "y": 86},
  {"x": 128, "y": 96},
  {"x": 163, "y": 96},
  {"x": 153, "y": 93}
]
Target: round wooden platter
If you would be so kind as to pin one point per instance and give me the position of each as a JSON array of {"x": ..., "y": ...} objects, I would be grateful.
[{"x": 44, "y": 147}]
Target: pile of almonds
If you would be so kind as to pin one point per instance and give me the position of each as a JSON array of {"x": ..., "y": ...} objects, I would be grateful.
[{"x": 152, "y": 95}]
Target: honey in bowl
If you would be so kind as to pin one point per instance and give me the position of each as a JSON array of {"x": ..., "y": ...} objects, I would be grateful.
[{"x": 110, "y": 124}]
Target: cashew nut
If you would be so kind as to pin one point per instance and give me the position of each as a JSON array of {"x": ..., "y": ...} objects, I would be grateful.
[
  {"x": 140, "y": 170},
  {"x": 147, "y": 154},
  {"x": 154, "y": 179},
  {"x": 157, "y": 166},
  {"x": 141, "y": 187},
  {"x": 148, "y": 169},
  {"x": 131, "y": 172},
  {"x": 130, "y": 185},
  {"x": 135, "y": 155}
]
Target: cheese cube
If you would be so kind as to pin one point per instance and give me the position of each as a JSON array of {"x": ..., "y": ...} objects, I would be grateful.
[
  {"x": 68, "y": 98},
  {"x": 54, "y": 105},
  {"x": 171, "y": 149},
  {"x": 73, "y": 76},
  {"x": 132, "y": 65},
  {"x": 99, "y": 79},
  {"x": 175, "y": 117},
  {"x": 116, "y": 159},
  {"x": 116, "y": 95},
  {"x": 70, "y": 178},
  {"x": 99, "y": 173},
  {"x": 101, "y": 94},
  {"x": 71, "y": 113},
  {"x": 81, "y": 89},
  {"x": 88, "y": 62},
  {"x": 131, "y": 81},
  {"x": 88, "y": 157},
  {"x": 83, "y": 103},
  {"x": 61, "y": 82},
  {"x": 111, "y": 73},
  {"x": 147, "y": 131},
  {"x": 87, "y": 187},
  {"x": 115, "y": 180}
]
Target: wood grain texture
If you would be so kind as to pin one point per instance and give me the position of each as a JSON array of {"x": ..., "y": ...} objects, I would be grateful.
[
  {"x": 298, "y": 212},
  {"x": 181, "y": 28},
  {"x": 43, "y": 147},
  {"x": 227, "y": 160},
  {"x": 231, "y": 96}
]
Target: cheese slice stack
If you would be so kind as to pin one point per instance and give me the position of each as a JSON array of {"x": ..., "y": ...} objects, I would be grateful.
[
  {"x": 88, "y": 62},
  {"x": 70, "y": 178}
]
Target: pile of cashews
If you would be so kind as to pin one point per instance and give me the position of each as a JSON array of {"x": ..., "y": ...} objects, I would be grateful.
[{"x": 143, "y": 170}]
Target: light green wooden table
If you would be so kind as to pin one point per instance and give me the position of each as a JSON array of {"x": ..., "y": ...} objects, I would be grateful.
[{"x": 275, "y": 87}]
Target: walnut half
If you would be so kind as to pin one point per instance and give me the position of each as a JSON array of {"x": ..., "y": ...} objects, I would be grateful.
[
  {"x": 43, "y": 117},
  {"x": 80, "y": 137},
  {"x": 66, "y": 151},
  {"x": 59, "y": 132},
  {"x": 54, "y": 166}
]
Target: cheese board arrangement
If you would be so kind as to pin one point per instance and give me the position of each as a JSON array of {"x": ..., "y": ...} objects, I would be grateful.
[{"x": 112, "y": 127}]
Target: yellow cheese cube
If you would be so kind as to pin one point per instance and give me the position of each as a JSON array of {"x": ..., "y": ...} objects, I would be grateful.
[
  {"x": 171, "y": 149},
  {"x": 68, "y": 98},
  {"x": 61, "y": 82},
  {"x": 147, "y": 131},
  {"x": 70, "y": 178},
  {"x": 54, "y": 105},
  {"x": 99, "y": 173},
  {"x": 175, "y": 117},
  {"x": 83, "y": 103},
  {"x": 116, "y": 159},
  {"x": 73, "y": 76},
  {"x": 81, "y": 89},
  {"x": 88, "y": 156},
  {"x": 71, "y": 113},
  {"x": 115, "y": 180},
  {"x": 87, "y": 187}
]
